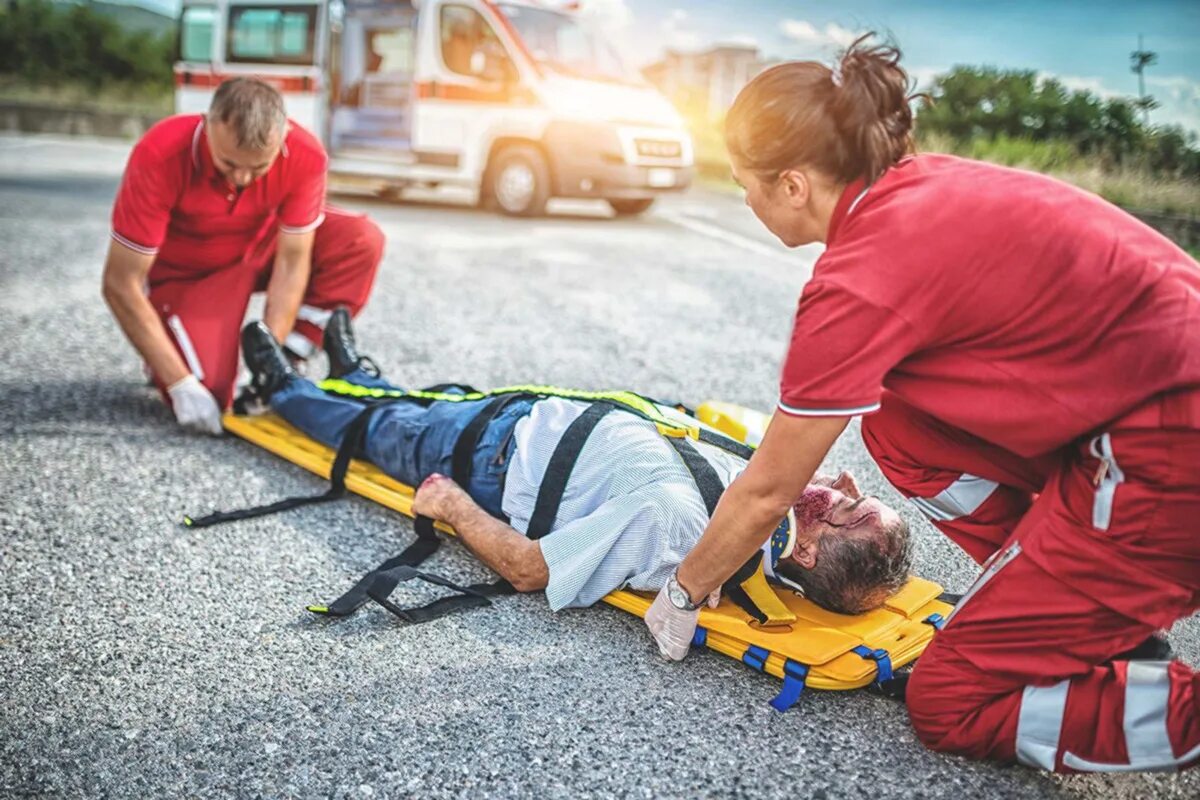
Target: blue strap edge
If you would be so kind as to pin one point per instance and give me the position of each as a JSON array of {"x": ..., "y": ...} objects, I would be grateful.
[
  {"x": 936, "y": 620},
  {"x": 700, "y": 637},
  {"x": 794, "y": 676},
  {"x": 882, "y": 659},
  {"x": 756, "y": 657}
]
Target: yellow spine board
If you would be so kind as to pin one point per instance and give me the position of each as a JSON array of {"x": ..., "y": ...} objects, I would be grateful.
[{"x": 819, "y": 639}]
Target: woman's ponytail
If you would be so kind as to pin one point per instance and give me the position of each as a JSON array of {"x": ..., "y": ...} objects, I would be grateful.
[
  {"x": 871, "y": 107},
  {"x": 852, "y": 121}
]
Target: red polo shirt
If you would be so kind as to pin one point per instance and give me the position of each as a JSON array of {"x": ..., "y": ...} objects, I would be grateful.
[
  {"x": 1011, "y": 305},
  {"x": 174, "y": 204}
]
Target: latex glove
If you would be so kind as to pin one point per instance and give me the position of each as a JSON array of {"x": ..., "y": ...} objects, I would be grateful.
[
  {"x": 195, "y": 407},
  {"x": 671, "y": 627}
]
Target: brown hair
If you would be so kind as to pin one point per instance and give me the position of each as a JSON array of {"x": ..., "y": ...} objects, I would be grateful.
[
  {"x": 855, "y": 573},
  {"x": 851, "y": 121},
  {"x": 252, "y": 108}
]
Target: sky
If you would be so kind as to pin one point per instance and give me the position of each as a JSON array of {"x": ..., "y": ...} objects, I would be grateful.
[{"x": 1084, "y": 43}]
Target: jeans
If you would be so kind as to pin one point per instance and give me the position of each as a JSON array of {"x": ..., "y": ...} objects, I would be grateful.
[{"x": 407, "y": 440}]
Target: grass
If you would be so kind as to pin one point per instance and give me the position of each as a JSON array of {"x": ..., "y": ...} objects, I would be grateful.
[
  {"x": 132, "y": 99},
  {"x": 1129, "y": 187}
]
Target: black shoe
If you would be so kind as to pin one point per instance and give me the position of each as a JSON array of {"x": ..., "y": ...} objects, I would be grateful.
[
  {"x": 269, "y": 368},
  {"x": 1155, "y": 648},
  {"x": 340, "y": 346}
]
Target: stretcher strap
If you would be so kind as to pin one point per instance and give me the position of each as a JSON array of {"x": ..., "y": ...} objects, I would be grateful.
[
  {"x": 426, "y": 544},
  {"x": 882, "y": 659},
  {"x": 725, "y": 443},
  {"x": 795, "y": 675},
  {"x": 558, "y": 470},
  {"x": 756, "y": 657},
  {"x": 706, "y": 478},
  {"x": 351, "y": 444},
  {"x": 384, "y": 582},
  {"x": 371, "y": 586},
  {"x": 748, "y": 587}
]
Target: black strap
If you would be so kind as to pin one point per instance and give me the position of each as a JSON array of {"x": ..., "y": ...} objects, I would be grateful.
[
  {"x": 558, "y": 470},
  {"x": 445, "y": 388},
  {"x": 732, "y": 588},
  {"x": 727, "y": 444},
  {"x": 462, "y": 462},
  {"x": 711, "y": 489},
  {"x": 706, "y": 478},
  {"x": 350, "y": 446},
  {"x": 381, "y": 581},
  {"x": 894, "y": 688}
]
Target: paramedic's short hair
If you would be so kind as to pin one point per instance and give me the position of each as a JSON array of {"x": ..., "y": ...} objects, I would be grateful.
[
  {"x": 855, "y": 573},
  {"x": 253, "y": 109}
]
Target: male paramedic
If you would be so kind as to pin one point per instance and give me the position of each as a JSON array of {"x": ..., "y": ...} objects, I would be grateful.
[
  {"x": 630, "y": 509},
  {"x": 212, "y": 208},
  {"x": 1026, "y": 358}
]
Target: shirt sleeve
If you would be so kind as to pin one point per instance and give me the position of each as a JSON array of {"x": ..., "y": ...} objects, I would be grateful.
[
  {"x": 627, "y": 541},
  {"x": 302, "y": 208},
  {"x": 144, "y": 201},
  {"x": 842, "y": 348}
]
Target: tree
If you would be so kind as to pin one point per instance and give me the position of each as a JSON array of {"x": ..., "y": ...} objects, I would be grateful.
[{"x": 985, "y": 104}]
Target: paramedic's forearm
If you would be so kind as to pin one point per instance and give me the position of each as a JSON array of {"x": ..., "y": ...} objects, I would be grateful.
[
  {"x": 124, "y": 279},
  {"x": 289, "y": 280},
  {"x": 776, "y": 476},
  {"x": 501, "y": 547}
]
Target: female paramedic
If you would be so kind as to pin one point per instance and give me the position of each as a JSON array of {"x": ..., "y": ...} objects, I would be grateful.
[{"x": 1026, "y": 360}]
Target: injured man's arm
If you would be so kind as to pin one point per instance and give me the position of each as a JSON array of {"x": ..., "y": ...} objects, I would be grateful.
[{"x": 502, "y": 548}]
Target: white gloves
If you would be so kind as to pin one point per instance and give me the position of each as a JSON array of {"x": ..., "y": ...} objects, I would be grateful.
[
  {"x": 673, "y": 628},
  {"x": 195, "y": 407}
]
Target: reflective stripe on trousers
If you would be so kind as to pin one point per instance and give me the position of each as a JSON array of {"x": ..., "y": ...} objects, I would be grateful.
[
  {"x": 1147, "y": 740},
  {"x": 960, "y": 499},
  {"x": 186, "y": 346}
]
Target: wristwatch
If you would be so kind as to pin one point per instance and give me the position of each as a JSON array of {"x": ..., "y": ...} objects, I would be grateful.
[{"x": 678, "y": 595}]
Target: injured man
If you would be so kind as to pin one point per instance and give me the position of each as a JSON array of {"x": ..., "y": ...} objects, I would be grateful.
[{"x": 630, "y": 511}]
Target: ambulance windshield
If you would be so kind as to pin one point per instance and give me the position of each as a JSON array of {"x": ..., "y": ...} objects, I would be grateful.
[{"x": 560, "y": 42}]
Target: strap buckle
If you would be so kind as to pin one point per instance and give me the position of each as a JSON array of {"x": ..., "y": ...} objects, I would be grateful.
[{"x": 882, "y": 659}]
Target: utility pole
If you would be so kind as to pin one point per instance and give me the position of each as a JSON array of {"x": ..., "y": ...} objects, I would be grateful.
[{"x": 1142, "y": 58}]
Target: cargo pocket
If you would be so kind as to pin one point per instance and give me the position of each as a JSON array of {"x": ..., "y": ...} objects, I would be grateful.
[{"x": 1108, "y": 477}]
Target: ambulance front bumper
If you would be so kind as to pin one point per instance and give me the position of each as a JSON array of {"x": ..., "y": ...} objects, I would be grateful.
[{"x": 603, "y": 161}]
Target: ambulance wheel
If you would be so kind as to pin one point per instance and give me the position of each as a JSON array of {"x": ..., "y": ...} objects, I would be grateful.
[
  {"x": 630, "y": 208},
  {"x": 519, "y": 181}
]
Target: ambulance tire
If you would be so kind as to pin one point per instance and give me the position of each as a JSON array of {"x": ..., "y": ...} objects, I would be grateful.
[
  {"x": 625, "y": 207},
  {"x": 518, "y": 181}
]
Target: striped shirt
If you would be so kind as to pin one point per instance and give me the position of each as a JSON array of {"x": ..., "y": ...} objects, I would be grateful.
[{"x": 630, "y": 512}]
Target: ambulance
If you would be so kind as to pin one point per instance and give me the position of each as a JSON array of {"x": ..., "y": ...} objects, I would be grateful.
[{"x": 516, "y": 100}]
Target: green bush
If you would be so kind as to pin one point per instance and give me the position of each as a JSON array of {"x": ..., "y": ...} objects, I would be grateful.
[
  {"x": 1012, "y": 117},
  {"x": 46, "y": 44}
]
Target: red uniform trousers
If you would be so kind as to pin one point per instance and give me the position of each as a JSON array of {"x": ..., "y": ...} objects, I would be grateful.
[
  {"x": 1091, "y": 551},
  {"x": 203, "y": 311}
]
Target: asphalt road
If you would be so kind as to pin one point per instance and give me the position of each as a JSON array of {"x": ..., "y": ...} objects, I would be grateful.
[{"x": 144, "y": 660}]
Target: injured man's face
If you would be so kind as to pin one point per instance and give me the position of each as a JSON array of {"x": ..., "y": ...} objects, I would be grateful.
[{"x": 851, "y": 551}]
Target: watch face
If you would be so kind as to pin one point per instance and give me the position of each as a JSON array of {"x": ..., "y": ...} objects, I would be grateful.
[{"x": 678, "y": 596}]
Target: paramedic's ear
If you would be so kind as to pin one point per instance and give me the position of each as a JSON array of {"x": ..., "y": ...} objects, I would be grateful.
[{"x": 794, "y": 187}]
